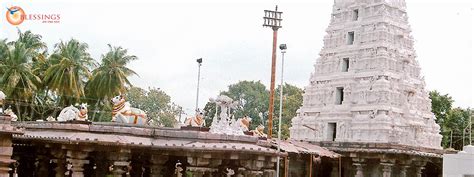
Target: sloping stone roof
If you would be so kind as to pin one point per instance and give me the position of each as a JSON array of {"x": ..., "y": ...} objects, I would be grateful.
[
  {"x": 387, "y": 148},
  {"x": 301, "y": 147},
  {"x": 112, "y": 134}
]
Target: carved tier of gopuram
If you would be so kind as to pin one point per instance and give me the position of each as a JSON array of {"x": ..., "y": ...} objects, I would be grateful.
[
  {"x": 114, "y": 149},
  {"x": 367, "y": 99}
]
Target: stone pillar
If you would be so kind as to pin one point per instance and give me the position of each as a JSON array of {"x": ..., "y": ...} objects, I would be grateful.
[
  {"x": 335, "y": 169},
  {"x": 101, "y": 163},
  {"x": 240, "y": 172},
  {"x": 419, "y": 171},
  {"x": 77, "y": 159},
  {"x": 42, "y": 162},
  {"x": 254, "y": 166},
  {"x": 359, "y": 164},
  {"x": 203, "y": 165},
  {"x": 196, "y": 171},
  {"x": 359, "y": 170},
  {"x": 6, "y": 149},
  {"x": 60, "y": 160},
  {"x": 403, "y": 170},
  {"x": 201, "y": 171},
  {"x": 269, "y": 173},
  {"x": 253, "y": 173},
  {"x": 270, "y": 165},
  {"x": 386, "y": 169},
  {"x": 120, "y": 161},
  {"x": 157, "y": 163},
  {"x": 419, "y": 166}
]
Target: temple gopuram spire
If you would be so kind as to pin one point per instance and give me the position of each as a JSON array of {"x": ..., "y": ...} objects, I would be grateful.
[{"x": 367, "y": 86}]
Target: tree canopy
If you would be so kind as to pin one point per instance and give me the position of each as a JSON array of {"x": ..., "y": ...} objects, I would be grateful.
[
  {"x": 156, "y": 103},
  {"x": 252, "y": 97},
  {"x": 453, "y": 121},
  {"x": 39, "y": 84}
]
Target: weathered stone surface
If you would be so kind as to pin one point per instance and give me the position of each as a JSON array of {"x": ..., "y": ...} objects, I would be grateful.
[
  {"x": 6, "y": 149},
  {"x": 367, "y": 86}
]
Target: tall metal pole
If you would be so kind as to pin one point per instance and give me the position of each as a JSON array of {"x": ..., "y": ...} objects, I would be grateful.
[
  {"x": 199, "y": 61},
  {"x": 272, "y": 19},
  {"x": 451, "y": 140},
  {"x": 283, "y": 51},
  {"x": 470, "y": 127}
]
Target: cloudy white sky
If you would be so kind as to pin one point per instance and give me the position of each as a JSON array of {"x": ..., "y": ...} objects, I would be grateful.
[{"x": 168, "y": 36}]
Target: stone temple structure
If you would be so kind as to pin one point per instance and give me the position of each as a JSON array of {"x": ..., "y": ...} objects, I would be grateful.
[{"x": 367, "y": 93}]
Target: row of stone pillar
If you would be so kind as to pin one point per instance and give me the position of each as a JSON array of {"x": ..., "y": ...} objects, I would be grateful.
[
  {"x": 387, "y": 168},
  {"x": 72, "y": 160}
]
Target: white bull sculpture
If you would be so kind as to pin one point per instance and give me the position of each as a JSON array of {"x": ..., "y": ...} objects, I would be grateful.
[{"x": 122, "y": 112}]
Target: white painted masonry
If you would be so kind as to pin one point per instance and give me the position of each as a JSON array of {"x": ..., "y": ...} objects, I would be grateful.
[
  {"x": 383, "y": 95},
  {"x": 460, "y": 164}
]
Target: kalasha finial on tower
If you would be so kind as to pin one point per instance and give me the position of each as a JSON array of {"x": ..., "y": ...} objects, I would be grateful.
[{"x": 273, "y": 20}]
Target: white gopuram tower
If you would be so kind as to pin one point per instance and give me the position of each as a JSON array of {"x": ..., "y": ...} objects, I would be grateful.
[{"x": 367, "y": 86}]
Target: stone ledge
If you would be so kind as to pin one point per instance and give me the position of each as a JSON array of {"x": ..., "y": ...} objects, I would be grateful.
[
  {"x": 127, "y": 129},
  {"x": 341, "y": 146}
]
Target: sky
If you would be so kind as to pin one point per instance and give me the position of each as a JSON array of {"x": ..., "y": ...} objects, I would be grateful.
[{"x": 168, "y": 36}]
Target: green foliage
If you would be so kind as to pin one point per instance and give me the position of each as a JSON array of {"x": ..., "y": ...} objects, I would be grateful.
[
  {"x": 457, "y": 122},
  {"x": 292, "y": 101},
  {"x": 70, "y": 68},
  {"x": 453, "y": 122},
  {"x": 441, "y": 104},
  {"x": 31, "y": 41},
  {"x": 253, "y": 100},
  {"x": 111, "y": 77},
  {"x": 156, "y": 103},
  {"x": 17, "y": 78},
  {"x": 39, "y": 85}
]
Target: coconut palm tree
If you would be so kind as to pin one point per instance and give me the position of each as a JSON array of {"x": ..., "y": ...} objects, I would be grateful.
[
  {"x": 17, "y": 79},
  {"x": 70, "y": 66},
  {"x": 31, "y": 41},
  {"x": 111, "y": 77},
  {"x": 3, "y": 50},
  {"x": 34, "y": 43},
  {"x": 16, "y": 58}
]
